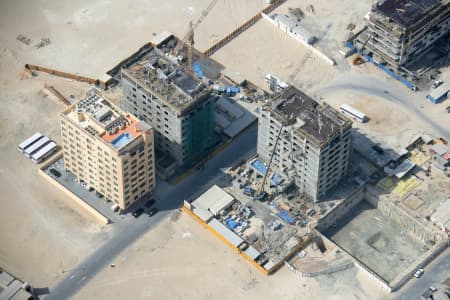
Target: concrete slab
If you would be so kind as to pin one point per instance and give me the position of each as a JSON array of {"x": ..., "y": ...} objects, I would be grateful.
[
  {"x": 376, "y": 240},
  {"x": 413, "y": 202}
]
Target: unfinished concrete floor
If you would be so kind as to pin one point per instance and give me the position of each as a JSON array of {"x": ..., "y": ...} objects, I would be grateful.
[{"x": 376, "y": 240}]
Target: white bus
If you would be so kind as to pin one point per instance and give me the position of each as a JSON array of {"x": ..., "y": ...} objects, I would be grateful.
[
  {"x": 29, "y": 141},
  {"x": 353, "y": 113},
  {"x": 43, "y": 153},
  {"x": 36, "y": 146}
]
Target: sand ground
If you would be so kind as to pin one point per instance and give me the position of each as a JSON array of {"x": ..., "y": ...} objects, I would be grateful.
[
  {"x": 42, "y": 234},
  {"x": 182, "y": 260}
]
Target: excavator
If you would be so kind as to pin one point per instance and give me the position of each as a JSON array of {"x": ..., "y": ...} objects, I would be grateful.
[{"x": 358, "y": 60}]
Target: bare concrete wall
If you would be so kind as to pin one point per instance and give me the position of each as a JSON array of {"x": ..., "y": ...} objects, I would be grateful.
[
  {"x": 341, "y": 209},
  {"x": 408, "y": 222}
]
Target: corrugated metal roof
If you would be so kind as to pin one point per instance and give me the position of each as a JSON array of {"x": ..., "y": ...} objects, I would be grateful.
[
  {"x": 215, "y": 200},
  {"x": 21, "y": 295},
  {"x": 439, "y": 149},
  {"x": 5, "y": 279},
  {"x": 252, "y": 253},
  {"x": 203, "y": 214},
  {"x": 269, "y": 265},
  {"x": 226, "y": 233},
  {"x": 10, "y": 290}
]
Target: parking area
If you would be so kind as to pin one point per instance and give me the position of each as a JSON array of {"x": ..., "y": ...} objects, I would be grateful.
[{"x": 95, "y": 200}]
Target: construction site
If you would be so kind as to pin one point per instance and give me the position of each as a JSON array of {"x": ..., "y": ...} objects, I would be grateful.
[
  {"x": 319, "y": 194},
  {"x": 409, "y": 38}
]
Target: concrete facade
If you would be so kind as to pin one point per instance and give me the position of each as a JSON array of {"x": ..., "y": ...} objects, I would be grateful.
[
  {"x": 176, "y": 103},
  {"x": 399, "y": 32},
  {"x": 109, "y": 150},
  {"x": 314, "y": 143}
]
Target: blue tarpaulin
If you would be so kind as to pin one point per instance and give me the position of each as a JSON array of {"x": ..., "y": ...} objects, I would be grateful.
[
  {"x": 198, "y": 70},
  {"x": 232, "y": 224},
  {"x": 277, "y": 179},
  {"x": 259, "y": 166},
  {"x": 286, "y": 217}
]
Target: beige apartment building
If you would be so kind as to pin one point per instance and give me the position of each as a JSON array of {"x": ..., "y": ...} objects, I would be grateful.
[{"x": 112, "y": 151}]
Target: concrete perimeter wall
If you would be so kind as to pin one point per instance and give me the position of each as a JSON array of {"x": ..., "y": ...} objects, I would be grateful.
[
  {"x": 408, "y": 222},
  {"x": 310, "y": 47},
  {"x": 324, "y": 272},
  {"x": 86, "y": 207},
  {"x": 341, "y": 209}
]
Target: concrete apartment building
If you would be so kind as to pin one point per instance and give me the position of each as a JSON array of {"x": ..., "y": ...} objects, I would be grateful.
[
  {"x": 112, "y": 151},
  {"x": 314, "y": 143},
  {"x": 179, "y": 106},
  {"x": 400, "y": 31}
]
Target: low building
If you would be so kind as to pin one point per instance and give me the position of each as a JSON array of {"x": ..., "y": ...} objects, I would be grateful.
[
  {"x": 231, "y": 118},
  {"x": 289, "y": 25},
  {"x": 111, "y": 151}
]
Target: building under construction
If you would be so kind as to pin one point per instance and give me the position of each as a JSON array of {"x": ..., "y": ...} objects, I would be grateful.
[
  {"x": 310, "y": 142},
  {"x": 163, "y": 91},
  {"x": 401, "y": 31}
]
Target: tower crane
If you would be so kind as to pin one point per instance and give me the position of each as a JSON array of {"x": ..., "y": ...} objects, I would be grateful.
[
  {"x": 188, "y": 40},
  {"x": 261, "y": 188}
]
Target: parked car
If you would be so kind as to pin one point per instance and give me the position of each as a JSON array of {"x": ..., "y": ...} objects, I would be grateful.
[
  {"x": 115, "y": 207},
  {"x": 149, "y": 203},
  {"x": 138, "y": 212},
  {"x": 419, "y": 273},
  {"x": 436, "y": 84},
  {"x": 248, "y": 191},
  {"x": 152, "y": 212},
  {"x": 261, "y": 196},
  {"x": 55, "y": 172}
]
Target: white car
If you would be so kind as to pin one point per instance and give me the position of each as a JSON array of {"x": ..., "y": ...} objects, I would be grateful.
[
  {"x": 437, "y": 83},
  {"x": 419, "y": 273}
]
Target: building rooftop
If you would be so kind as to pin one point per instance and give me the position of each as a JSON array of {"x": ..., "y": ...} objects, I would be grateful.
[
  {"x": 101, "y": 118},
  {"x": 316, "y": 121},
  {"x": 405, "y": 12},
  {"x": 158, "y": 68}
]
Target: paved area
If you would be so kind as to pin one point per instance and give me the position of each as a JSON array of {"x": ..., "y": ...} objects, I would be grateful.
[
  {"x": 435, "y": 275},
  {"x": 376, "y": 241},
  {"x": 167, "y": 198},
  {"x": 70, "y": 182}
]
